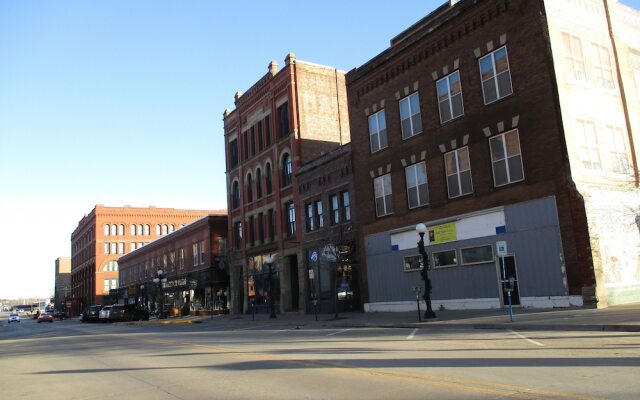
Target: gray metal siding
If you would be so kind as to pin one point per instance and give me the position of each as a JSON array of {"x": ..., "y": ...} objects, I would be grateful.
[{"x": 533, "y": 235}]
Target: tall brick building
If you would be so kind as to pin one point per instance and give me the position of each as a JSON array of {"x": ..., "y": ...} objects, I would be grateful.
[
  {"x": 105, "y": 234},
  {"x": 287, "y": 118},
  {"x": 62, "y": 282},
  {"x": 466, "y": 124}
]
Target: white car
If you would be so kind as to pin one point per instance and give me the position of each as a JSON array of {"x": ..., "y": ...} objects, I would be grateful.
[
  {"x": 104, "y": 314},
  {"x": 13, "y": 317}
]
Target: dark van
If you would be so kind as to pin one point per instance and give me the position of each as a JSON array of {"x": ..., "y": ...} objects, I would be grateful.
[
  {"x": 128, "y": 312},
  {"x": 91, "y": 314}
]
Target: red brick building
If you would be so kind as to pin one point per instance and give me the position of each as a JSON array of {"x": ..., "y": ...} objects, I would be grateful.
[
  {"x": 458, "y": 125},
  {"x": 287, "y": 118},
  {"x": 107, "y": 233},
  {"x": 192, "y": 260}
]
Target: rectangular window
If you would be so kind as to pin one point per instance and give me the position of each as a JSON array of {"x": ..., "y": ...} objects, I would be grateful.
[
  {"x": 477, "y": 255},
  {"x": 107, "y": 285},
  {"x": 261, "y": 227},
  {"x": 618, "y": 155},
  {"x": 172, "y": 260},
  {"x": 165, "y": 260},
  {"x": 378, "y": 131},
  {"x": 506, "y": 159},
  {"x": 252, "y": 235},
  {"x": 120, "y": 248},
  {"x": 417, "y": 191},
  {"x": 106, "y": 248},
  {"x": 291, "y": 219},
  {"x": 272, "y": 225},
  {"x": 283, "y": 120},
  {"x": 602, "y": 69},
  {"x": 346, "y": 206},
  {"x": 237, "y": 235},
  {"x": 573, "y": 57},
  {"x": 410, "y": 117},
  {"x": 309, "y": 217},
  {"x": 458, "y": 169},
  {"x": 588, "y": 151},
  {"x": 114, "y": 249},
  {"x": 194, "y": 254},
  {"x": 233, "y": 153},
  {"x": 495, "y": 75},
  {"x": 412, "y": 263},
  {"x": 319, "y": 215},
  {"x": 450, "y": 97},
  {"x": 253, "y": 141},
  {"x": 260, "y": 139},
  {"x": 267, "y": 130},
  {"x": 445, "y": 258},
  {"x": 383, "y": 195},
  {"x": 245, "y": 144},
  {"x": 334, "y": 208},
  {"x": 181, "y": 258},
  {"x": 202, "y": 249}
]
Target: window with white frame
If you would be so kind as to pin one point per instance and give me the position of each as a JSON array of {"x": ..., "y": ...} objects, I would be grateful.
[
  {"x": 121, "y": 230},
  {"x": 310, "y": 218},
  {"x": 132, "y": 230},
  {"x": 106, "y": 248},
  {"x": 120, "y": 248},
  {"x": 139, "y": 230},
  {"x": 158, "y": 230},
  {"x": 383, "y": 195},
  {"x": 319, "y": 214},
  {"x": 495, "y": 75},
  {"x": 587, "y": 139},
  {"x": 477, "y": 255},
  {"x": 107, "y": 229},
  {"x": 346, "y": 205},
  {"x": 410, "y": 117},
  {"x": 202, "y": 250},
  {"x": 147, "y": 230},
  {"x": 506, "y": 159},
  {"x": 194, "y": 254},
  {"x": 412, "y": 263},
  {"x": 417, "y": 190},
  {"x": 132, "y": 246},
  {"x": 114, "y": 230},
  {"x": 618, "y": 155},
  {"x": 165, "y": 229},
  {"x": 450, "y": 97},
  {"x": 446, "y": 258},
  {"x": 114, "y": 249},
  {"x": 378, "y": 131},
  {"x": 291, "y": 219},
  {"x": 602, "y": 68},
  {"x": 573, "y": 57},
  {"x": 334, "y": 209},
  {"x": 458, "y": 169}
]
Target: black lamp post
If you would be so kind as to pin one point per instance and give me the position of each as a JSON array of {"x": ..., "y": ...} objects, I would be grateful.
[
  {"x": 160, "y": 279},
  {"x": 429, "y": 314},
  {"x": 143, "y": 299},
  {"x": 272, "y": 310}
]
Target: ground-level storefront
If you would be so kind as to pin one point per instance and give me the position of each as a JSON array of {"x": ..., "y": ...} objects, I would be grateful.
[{"x": 468, "y": 258}]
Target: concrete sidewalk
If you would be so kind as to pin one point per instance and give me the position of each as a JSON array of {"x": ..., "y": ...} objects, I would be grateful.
[{"x": 622, "y": 318}]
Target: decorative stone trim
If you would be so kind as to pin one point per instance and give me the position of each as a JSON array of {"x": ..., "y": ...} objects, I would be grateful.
[
  {"x": 503, "y": 39},
  {"x": 500, "y": 126},
  {"x": 456, "y": 64},
  {"x": 398, "y": 95},
  {"x": 413, "y": 159},
  {"x": 388, "y": 168},
  {"x": 514, "y": 121},
  {"x": 445, "y": 70},
  {"x": 403, "y": 162},
  {"x": 454, "y": 144},
  {"x": 489, "y": 46},
  {"x": 423, "y": 155},
  {"x": 442, "y": 148},
  {"x": 487, "y": 131},
  {"x": 465, "y": 139},
  {"x": 372, "y": 174},
  {"x": 434, "y": 75},
  {"x": 477, "y": 52}
]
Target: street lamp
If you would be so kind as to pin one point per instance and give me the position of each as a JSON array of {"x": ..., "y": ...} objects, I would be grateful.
[
  {"x": 272, "y": 310},
  {"x": 429, "y": 314},
  {"x": 143, "y": 300},
  {"x": 160, "y": 279}
]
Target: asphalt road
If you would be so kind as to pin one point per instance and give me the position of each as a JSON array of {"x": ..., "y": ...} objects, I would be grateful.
[{"x": 240, "y": 360}]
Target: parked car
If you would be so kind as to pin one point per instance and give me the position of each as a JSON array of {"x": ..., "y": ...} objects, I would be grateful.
[
  {"x": 128, "y": 312},
  {"x": 58, "y": 314},
  {"x": 91, "y": 314},
  {"x": 14, "y": 317},
  {"x": 45, "y": 317},
  {"x": 104, "y": 314}
]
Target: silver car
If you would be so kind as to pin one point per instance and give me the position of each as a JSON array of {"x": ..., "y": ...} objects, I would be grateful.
[
  {"x": 104, "y": 314},
  {"x": 13, "y": 317}
]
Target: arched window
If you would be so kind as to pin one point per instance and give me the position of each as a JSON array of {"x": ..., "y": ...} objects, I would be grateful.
[
  {"x": 235, "y": 200},
  {"x": 249, "y": 189},
  {"x": 132, "y": 230},
  {"x": 106, "y": 230},
  {"x": 258, "y": 183},
  {"x": 287, "y": 170},
  {"x": 147, "y": 230},
  {"x": 158, "y": 230},
  {"x": 121, "y": 230},
  {"x": 172, "y": 228},
  {"x": 165, "y": 229},
  {"x": 139, "y": 230},
  {"x": 269, "y": 179},
  {"x": 114, "y": 230}
]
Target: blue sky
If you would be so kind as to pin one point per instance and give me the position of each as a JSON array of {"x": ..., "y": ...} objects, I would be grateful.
[{"x": 120, "y": 102}]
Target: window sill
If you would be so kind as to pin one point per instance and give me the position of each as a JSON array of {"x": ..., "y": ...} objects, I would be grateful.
[{"x": 500, "y": 100}]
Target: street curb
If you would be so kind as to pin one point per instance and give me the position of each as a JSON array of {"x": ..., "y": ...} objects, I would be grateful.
[{"x": 499, "y": 326}]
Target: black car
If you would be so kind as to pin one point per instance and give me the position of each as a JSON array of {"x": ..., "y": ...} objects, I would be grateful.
[
  {"x": 91, "y": 314},
  {"x": 128, "y": 312}
]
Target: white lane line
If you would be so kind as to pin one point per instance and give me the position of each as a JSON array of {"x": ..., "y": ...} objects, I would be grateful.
[
  {"x": 339, "y": 332},
  {"x": 250, "y": 327},
  {"x": 412, "y": 334},
  {"x": 525, "y": 338}
]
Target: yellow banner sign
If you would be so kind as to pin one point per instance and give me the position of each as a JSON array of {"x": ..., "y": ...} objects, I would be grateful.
[{"x": 442, "y": 233}]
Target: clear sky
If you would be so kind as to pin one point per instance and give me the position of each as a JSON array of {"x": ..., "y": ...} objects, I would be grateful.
[{"x": 120, "y": 102}]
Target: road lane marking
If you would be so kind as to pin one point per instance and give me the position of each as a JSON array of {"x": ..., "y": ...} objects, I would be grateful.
[
  {"x": 526, "y": 338},
  {"x": 251, "y": 327},
  {"x": 339, "y": 332},
  {"x": 412, "y": 334}
]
